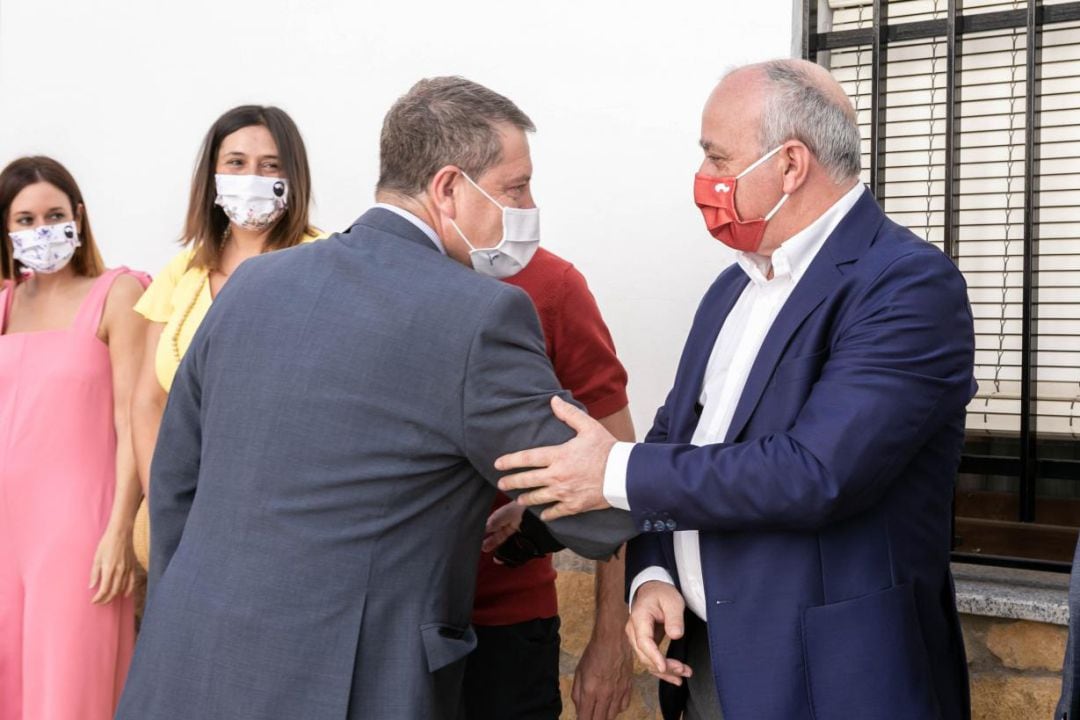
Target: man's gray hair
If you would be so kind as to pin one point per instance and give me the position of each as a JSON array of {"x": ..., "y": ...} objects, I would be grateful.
[
  {"x": 797, "y": 108},
  {"x": 443, "y": 121}
]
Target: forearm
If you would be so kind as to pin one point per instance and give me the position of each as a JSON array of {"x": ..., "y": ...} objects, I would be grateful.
[
  {"x": 611, "y": 609},
  {"x": 146, "y": 415},
  {"x": 619, "y": 424},
  {"x": 128, "y": 492},
  {"x": 147, "y": 408}
]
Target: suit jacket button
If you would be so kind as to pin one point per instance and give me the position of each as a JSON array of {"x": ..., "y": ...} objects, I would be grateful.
[
  {"x": 646, "y": 526},
  {"x": 671, "y": 525}
]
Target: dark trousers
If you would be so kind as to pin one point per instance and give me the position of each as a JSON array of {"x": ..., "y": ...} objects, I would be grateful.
[
  {"x": 513, "y": 674},
  {"x": 702, "y": 703}
]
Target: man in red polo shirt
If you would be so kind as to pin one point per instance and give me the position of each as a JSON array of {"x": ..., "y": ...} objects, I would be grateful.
[{"x": 514, "y": 672}]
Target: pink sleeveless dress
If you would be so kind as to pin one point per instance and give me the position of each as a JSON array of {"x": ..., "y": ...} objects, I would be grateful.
[{"x": 61, "y": 657}]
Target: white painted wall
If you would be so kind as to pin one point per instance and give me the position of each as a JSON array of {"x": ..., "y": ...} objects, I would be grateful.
[{"x": 122, "y": 93}]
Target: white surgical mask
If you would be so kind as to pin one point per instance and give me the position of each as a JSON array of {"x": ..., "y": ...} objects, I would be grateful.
[
  {"x": 520, "y": 240},
  {"x": 46, "y": 248},
  {"x": 252, "y": 201}
]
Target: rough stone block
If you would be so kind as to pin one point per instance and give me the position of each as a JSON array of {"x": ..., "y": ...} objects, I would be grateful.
[
  {"x": 1013, "y": 697},
  {"x": 1025, "y": 645}
]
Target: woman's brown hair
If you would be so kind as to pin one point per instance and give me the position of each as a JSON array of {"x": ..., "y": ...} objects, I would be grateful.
[
  {"x": 30, "y": 170},
  {"x": 206, "y": 223}
]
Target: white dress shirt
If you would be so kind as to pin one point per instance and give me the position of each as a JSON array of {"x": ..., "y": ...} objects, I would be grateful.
[
  {"x": 732, "y": 357},
  {"x": 427, "y": 229}
]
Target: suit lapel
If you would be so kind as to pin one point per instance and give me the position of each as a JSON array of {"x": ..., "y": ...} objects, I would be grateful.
[
  {"x": 846, "y": 244},
  {"x": 812, "y": 289},
  {"x": 701, "y": 346}
]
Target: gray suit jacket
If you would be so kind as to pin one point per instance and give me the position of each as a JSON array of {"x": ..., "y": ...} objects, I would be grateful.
[{"x": 321, "y": 481}]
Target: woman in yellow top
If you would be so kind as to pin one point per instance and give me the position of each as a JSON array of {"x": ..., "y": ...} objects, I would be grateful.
[{"x": 250, "y": 194}]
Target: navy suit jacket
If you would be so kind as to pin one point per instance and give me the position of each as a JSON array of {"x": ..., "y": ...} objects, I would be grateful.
[{"x": 824, "y": 517}]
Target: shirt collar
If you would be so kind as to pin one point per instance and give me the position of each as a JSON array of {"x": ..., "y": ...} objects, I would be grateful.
[
  {"x": 797, "y": 252},
  {"x": 427, "y": 229}
]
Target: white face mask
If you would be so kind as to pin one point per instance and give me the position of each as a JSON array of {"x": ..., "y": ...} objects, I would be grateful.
[
  {"x": 46, "y": 248},
  {"x": 520, "y": 240},
  {"x": 253, "y": 202}
]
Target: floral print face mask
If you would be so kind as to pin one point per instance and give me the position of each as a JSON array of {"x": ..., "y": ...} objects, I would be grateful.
[
  {"x": 253, "y": 202},
  {"x": 46, "y": 248}
]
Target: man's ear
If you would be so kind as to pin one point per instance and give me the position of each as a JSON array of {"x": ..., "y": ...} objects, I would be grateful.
[
  {"x": 796, "y": 158},
  {"x": 441, "y": 190}
]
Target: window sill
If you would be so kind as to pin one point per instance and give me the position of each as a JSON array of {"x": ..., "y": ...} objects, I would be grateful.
[{"x": 1013, "y": 594}]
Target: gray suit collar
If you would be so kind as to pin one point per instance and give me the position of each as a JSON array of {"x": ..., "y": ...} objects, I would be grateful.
[{"x": 388, "y": 222}]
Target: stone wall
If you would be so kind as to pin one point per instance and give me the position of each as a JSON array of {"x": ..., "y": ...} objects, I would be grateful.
[{"x": 1015, "y": 665}]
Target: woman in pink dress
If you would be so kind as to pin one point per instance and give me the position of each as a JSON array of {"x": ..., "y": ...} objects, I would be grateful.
[{"x": 70, "y": 345}]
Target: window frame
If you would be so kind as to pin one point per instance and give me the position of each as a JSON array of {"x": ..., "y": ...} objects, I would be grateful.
[{"x": 1028, "y": 467}]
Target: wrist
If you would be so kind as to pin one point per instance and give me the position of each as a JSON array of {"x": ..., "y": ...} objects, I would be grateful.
[
  {"x": 609, "y": 443},
  {"x": 119, "y": 524},
  {"x": 609, "y": 643},
  {"x": 610, "y": 626},
  {"x": 607, "y": 636}
]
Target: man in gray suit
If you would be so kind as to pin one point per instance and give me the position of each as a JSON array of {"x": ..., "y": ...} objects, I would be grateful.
[{"x": 324, "y": 467}]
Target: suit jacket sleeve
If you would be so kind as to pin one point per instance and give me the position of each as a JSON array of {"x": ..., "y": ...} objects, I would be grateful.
[
  {"x": 506, "y": 400},
  {"x": 174, "y": 471},
  {"x": 646, "y": 550},
  {"x": 898, "y": 365}
]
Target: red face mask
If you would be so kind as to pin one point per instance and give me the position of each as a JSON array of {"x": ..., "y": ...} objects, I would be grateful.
[{"x": 715, "y": 196}]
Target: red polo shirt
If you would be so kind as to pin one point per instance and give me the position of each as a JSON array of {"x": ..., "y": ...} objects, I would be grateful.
[{"x": 583, "y": 355}]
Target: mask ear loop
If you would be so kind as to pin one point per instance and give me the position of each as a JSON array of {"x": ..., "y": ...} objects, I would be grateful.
[
  {"x": 462, "y": 235},
  {"x": 472, "y": 249},
  {"x": 776, "y": 209},
  {"x": 496, "y": 203},
  {"x": 484, "y": 192},
  {"x": 757, "y": 162}
]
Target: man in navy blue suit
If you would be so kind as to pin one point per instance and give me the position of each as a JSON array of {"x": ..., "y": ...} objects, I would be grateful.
[{"x": 794, "y": 492}]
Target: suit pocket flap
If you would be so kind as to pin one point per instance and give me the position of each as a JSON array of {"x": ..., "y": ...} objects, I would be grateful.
[{"x": 446, "y": 644}]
